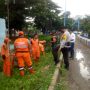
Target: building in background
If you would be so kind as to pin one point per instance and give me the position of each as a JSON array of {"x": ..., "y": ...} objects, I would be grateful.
[{"x": 2, "y": 30}]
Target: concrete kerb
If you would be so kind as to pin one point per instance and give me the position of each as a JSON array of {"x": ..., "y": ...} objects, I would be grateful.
[
  {"x": 84, "y": 40},
  {"x": 56, "y": 76}
]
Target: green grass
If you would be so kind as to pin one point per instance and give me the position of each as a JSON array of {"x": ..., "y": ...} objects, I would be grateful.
[
  {"x": 63, "y": 83},
  {"x": 45, "y": 37},
  {"x": 48, "y": 44},
  {"x": 39, "y": 81}
]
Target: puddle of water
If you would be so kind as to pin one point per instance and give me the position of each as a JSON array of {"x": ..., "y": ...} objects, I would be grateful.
[
  {"x": 84, "y": 71},
  {"x": 83, "y": 68},
  {"x": 79, "y": 55}
]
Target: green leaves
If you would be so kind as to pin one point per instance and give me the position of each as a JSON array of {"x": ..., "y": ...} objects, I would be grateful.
[
  {"x": 85, "y": 24},
  {"x": 45, "y": 12}
]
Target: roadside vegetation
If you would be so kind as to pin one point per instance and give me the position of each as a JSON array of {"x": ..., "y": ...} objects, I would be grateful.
[
  {"x": 39, "y": 81},
  {"x": 63, "y": 82}
]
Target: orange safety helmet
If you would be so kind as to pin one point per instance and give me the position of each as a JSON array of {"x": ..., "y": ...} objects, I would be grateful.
[{"x": 21, "y": 33}]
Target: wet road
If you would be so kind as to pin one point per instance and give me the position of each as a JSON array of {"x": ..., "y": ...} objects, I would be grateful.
[{"x": 79, "y": 73}]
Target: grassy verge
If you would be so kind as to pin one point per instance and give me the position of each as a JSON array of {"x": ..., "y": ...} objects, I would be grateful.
[
  {"x": 48, "y": 39},
  {"x": 63, "y": 83},
  {"x": 39, "y": 81}
]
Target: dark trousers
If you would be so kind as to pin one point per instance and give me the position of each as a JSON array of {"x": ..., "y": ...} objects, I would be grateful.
[
  {"x": 72, "y": 50},
  {"x": 55, "y": 56},
  {"x": 65, "y": 56}
]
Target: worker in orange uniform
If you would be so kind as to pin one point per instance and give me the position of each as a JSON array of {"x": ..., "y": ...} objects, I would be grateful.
[
  {"x": 41, "y": 46},
  {"x": 35, "y": 47},
  {"x": 22, "y": 52},
  {"x": 6, "y": 57}
]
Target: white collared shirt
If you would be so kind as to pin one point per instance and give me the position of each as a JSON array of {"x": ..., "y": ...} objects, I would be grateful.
[
  {"x": 64, "y": 39},
  {"x": 72, "y": 37},
  {"x": 68, "y": 35}
]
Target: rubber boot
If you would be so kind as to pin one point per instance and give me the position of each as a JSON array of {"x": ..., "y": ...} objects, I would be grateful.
[
  {"x": 32, "y": 71},
  {"x": 21, "y": 73}
]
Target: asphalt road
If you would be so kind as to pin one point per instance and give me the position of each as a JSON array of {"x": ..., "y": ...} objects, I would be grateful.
[{"x": 79, "y": 72}]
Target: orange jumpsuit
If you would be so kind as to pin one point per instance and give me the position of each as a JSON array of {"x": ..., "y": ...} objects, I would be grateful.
[
  {"x": 7, "y": 63},
  {"x": 41, "y": 46},
  {"x": 35, "y": 49},
  {"x": 22, "y": 49}
]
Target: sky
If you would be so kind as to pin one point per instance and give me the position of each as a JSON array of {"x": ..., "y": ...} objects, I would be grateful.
[{"x": 76, "y": 7}]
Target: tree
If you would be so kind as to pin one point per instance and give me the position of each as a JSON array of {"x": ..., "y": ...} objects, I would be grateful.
[
  {"x": 3, "y": 9},
  {"x": 69, "y": 20},
  {"x": 85, "y": 24},
  {"x": 44, "y": 12}
]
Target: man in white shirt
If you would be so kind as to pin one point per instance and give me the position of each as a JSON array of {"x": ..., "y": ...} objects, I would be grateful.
[
  {"x": 68, "y": 35},
  {"x": 65, "y": 45},
  {"x": 72, "y": 42}
]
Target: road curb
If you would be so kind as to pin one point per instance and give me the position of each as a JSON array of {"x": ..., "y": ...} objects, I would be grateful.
[
  {"x": 84, "y": 40},
  {"x": 56, "y": 76}
]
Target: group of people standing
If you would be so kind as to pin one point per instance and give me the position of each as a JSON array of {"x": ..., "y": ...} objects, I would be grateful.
[
  {"x": 26, "y": 49},
  {"x": 65, "y": 45}
]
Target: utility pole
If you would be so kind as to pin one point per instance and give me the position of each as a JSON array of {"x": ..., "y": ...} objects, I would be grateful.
[
  {"x": 65, "y": 14},
  {"x": 14, "y": 1}
]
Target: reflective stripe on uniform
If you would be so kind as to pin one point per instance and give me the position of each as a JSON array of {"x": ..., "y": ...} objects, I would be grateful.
[
  {"x": 30, "y": 68},
  {"x": 21, "y": 46},
  {"x": 21, "y": 68}
]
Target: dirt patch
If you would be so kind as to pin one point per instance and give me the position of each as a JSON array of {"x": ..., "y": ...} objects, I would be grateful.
[{"x": 45, "y": 68}]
